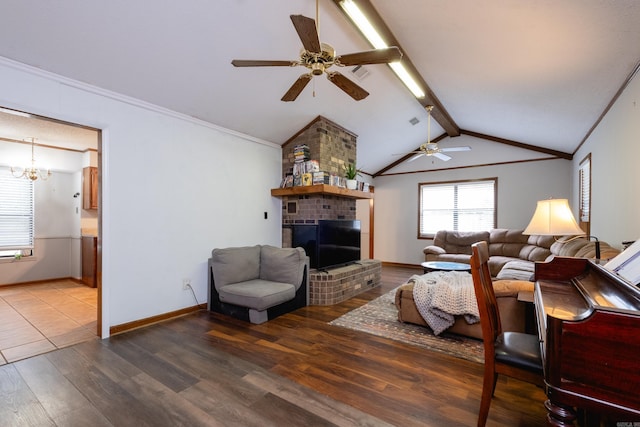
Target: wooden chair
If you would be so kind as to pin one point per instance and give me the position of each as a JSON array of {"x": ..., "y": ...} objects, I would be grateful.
[{"x": 514, "y": 354}]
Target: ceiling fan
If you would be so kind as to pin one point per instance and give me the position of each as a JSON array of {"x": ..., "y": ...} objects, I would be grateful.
[
  {"x": 431, "y": 148},
  {"x": 319, "y": 57}
]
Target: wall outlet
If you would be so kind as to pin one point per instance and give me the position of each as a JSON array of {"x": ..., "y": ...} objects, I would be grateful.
[{"x": 186, "y": 283}]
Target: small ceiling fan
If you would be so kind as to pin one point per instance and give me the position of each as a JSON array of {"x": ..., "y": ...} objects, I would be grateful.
[
  {"x": 431, "y": 148},
  {"x": 319, "y": 57}
]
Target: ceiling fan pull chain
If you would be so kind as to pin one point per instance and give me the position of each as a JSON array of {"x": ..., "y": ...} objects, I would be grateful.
[
  {"x": 317, "y": 20},
  {"x": 429, "y": 108}
]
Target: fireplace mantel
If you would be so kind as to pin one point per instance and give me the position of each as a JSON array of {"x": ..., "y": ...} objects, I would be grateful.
[{"x": 331, "y": 190}]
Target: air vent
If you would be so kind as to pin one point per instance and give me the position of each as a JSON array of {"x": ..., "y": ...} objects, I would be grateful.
[
  {"x": 414, "y": 121},
  {"x": 360, "y": 72}
]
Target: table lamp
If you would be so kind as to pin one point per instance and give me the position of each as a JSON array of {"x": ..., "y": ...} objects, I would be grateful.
[{"x": 553, "y": 217}]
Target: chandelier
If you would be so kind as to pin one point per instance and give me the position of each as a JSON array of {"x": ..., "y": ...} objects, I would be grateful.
[{"x": 31, "y": 173}]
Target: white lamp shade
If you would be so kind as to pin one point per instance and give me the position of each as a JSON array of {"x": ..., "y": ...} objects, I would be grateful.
[{"x": 553, "y": 217}]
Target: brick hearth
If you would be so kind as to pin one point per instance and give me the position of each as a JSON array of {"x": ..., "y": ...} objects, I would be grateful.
[{"x": 339, "y": 284}]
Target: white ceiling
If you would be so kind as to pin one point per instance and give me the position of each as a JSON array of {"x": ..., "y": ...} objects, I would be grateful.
[{"x": 539, "y": 72}]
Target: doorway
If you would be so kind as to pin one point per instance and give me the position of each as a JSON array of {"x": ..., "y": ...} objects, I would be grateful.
[
  {"x": 66, "y": 148},
  {"x": 364, "y": 213}
]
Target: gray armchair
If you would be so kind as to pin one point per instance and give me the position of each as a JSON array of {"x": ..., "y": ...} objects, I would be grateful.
[{"x": 257, "y": 283}]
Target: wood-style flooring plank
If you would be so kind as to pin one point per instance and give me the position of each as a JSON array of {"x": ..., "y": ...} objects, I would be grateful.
[
  {"x": 18, "y": 405},
  {"x": 168, "y": 374},
  {"x": 296, "y": 370}
]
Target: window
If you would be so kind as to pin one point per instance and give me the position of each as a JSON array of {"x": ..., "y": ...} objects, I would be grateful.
[
  {"x": 584, "y": 192},
  {"x": 16, "y": 214},
  {"x": 457, "y": 205}
]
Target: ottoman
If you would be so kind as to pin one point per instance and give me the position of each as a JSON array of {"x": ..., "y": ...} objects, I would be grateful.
[{"x": 513, "y": 312}]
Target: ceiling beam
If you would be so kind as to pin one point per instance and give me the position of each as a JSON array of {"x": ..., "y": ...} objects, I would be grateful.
[
  {"x": 560, "y": 154},
  {"x": 439, "y": 113},
  {"x": 554, "y": 153}
]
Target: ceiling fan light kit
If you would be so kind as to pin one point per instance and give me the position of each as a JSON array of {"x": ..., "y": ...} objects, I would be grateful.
[
  {"x": 431, "y": 148},
  {"x": 319, "y": 57}
]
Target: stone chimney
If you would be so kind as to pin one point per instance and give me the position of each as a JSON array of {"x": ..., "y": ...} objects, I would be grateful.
[{"x": 332, "y": 147}]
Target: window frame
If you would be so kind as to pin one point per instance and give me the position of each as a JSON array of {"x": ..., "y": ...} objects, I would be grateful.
[
  {"x": 584, "y": 200},
  {"x": 429, "y": 236},
  {"x": 26, "y": 207}
]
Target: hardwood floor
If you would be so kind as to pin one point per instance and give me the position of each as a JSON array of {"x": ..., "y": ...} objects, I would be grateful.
[
  {"x": 208, "y": 369},
  {"x": 37, "y": 318}
]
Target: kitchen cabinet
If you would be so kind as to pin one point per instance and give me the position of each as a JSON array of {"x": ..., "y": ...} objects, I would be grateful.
[
  {"x": 89, "y": 260},
  {"x": 90, "y": 188}
]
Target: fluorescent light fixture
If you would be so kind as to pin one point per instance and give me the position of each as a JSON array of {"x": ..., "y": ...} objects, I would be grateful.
[
  {"x": 14, "y": 112},
  {"x": 408, "y": 81},
  {"x": 371, "y": 34},
  {"x": 363, "y": 24}
]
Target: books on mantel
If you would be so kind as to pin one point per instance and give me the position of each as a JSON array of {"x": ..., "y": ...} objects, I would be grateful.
[
  {"x": 627, "y": 263},
  {"x": 308, "y": 166},
  {"x": 301, "y": 153}
]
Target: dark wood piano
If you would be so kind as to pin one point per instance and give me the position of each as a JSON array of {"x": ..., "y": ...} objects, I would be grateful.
[{"x": 589, "y": 325}]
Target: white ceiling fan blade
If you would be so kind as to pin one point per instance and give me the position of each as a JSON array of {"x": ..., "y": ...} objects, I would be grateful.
[
  {"x": 415, "y": 157},
  {"x": 442, "y": 157},
  {"x": 455, "y": 149}
]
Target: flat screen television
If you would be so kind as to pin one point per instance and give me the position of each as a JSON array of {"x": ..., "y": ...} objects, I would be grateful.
[
  {"x": 338, "y": 242},
  {"x": 304, "y": 236},
  {"x": 330, "y": 243}
]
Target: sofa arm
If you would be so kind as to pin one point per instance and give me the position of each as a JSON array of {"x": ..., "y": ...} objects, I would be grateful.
[
  {"x": 511, "y": 288},
  {"x": 434, "y": 250}
]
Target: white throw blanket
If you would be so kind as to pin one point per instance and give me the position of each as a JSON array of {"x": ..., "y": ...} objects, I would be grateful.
[{"x": 441, "y": 295}]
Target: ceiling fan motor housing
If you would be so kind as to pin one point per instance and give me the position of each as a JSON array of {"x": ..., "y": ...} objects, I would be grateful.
[{"x": 318, "y": 62}]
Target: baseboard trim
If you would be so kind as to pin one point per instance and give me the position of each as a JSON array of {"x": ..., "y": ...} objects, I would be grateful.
[
  {"x": 399, "y": 264},
  {"x": 36, "y": 282},
  {"x": 125, "y": 327}
]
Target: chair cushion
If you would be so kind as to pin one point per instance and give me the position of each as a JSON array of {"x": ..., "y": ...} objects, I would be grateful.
[
  {"x": 233, "y": 265},
  {"x": 282, "y": 265},
  {"x": 518, "y": 349},
  {"x": 257, "y": 294}
]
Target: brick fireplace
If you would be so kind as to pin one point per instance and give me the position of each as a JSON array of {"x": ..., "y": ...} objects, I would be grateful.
[{"x": 332, "y": 147}]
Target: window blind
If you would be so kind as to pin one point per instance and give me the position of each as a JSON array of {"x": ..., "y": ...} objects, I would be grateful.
[
  {"x": 460, "y": 206},
  {"x": 585, "y": 191},
  {"x": 16, "y": 212}
]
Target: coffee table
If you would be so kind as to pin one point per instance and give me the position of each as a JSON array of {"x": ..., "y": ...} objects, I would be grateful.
[{"x": 444, "y": 266}]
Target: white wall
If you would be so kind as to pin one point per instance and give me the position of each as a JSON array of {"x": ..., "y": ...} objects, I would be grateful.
[
  {"x": 173, "y": 189},
  {"x": 615, "y": 154},
  {"x": 520, "y": 186},
  {"x": 57, "y": 221}
]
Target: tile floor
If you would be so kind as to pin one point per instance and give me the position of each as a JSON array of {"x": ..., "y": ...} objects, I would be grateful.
[{"x": 42, "y": 317}]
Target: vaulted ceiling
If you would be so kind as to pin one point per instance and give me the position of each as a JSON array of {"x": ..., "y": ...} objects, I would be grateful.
[{"x": 514, "y": 80}]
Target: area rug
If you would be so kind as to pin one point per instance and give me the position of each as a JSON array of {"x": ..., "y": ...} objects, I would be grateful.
[{"x": 380, "y": 317}]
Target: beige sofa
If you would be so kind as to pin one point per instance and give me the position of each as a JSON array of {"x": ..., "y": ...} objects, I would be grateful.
[
  {"x": 512, "y": 259},
  {"x": 511, "y": 254}
]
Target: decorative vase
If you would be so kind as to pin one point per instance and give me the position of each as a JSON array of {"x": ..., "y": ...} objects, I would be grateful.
[{"x": 352, "y": 184}]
